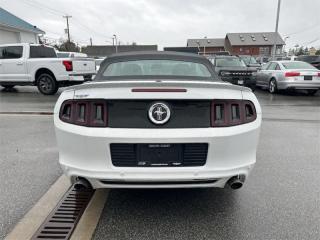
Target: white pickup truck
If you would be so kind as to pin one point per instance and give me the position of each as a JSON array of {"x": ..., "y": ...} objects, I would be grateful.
[{"x": 34, "y": 64}]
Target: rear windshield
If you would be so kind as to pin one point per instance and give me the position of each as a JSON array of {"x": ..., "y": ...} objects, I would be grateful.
[
  {"x": 229, "y": 62},
  {"x": 154, "y": 67},
  {"x": 42, "y": 52},
  {"x": 297, "y": 65}
]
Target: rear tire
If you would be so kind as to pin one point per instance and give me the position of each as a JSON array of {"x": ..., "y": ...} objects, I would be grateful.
[
  {"x": 272, "y": 86},
  {"x": 47, "y": 84},
  {"x": 7, "y": 86},
  {"x": 312, "y": 92}
]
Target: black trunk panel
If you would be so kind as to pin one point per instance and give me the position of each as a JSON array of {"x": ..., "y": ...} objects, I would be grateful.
[{"x": 134, "y": 114}]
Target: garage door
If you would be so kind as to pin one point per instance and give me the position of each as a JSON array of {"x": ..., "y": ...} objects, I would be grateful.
[{"x": 8, "y": 37}]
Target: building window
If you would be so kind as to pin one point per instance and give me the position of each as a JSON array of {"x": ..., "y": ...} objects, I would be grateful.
[{"x": 264, "y": 51}]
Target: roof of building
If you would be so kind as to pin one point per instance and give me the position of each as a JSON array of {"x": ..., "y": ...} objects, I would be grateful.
[
  {"x": 9, "y": 20},
  {"x": 255, "y": 38},
  {"x": 107, "y": 50},
  {"x": 206, "y": 42}
]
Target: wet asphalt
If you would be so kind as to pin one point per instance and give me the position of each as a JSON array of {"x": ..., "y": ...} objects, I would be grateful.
[{"x": 280, "y": 200}]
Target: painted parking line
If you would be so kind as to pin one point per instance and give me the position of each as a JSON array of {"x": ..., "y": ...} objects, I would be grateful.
[
  {"x": 91, "y": 216},
  {"x": 29, "y": 224}
]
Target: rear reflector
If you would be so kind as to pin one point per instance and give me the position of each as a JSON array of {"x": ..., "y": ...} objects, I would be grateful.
[
  {"x": 292, "y": 74},
  {"x": 158, "y": 90}
]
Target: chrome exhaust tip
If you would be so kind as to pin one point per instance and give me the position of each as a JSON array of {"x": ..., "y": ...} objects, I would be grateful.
[
  {"x": 82, "y": 183},
  {"x": 236, "y": 182}
]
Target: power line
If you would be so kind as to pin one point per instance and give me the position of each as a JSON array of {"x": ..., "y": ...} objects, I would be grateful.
[
  {"x": 58, "y": 12},
  {"x": 304, "y": 30}
]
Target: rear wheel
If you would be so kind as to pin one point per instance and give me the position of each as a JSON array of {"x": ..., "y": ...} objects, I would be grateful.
[
  {"x": 7, "y": 86},
  {"x": 273, "y": 86},
  {"x": 312, "y": 92},
  {"x": 46, "y": 84}
]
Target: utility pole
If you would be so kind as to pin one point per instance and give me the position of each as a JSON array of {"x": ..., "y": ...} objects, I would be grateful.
[
  {"x": 91, "y": 42},
  {"x": 276, "y": 32},
  {"x": 68, "y": 29}
]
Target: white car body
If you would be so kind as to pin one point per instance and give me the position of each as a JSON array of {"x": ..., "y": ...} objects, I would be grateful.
[
  {"x": 85, "y": 151},
  {"x": 23, "y": 69}
]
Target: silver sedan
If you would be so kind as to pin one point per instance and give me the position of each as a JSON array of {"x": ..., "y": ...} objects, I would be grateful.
[{"x": 285, "y": 75}]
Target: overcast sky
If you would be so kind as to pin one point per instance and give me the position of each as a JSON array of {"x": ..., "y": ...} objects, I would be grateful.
[{"x": 169, "y": 22}]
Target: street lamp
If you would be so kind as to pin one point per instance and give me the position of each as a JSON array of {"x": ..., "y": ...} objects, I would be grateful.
[
  {"x": 276, "y": 32},
  {"x": 198, "y": 42},
  {"x": 115, "y": 37}
]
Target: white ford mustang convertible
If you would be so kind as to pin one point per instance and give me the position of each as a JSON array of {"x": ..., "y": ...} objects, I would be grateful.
[{"x": 157, "y": 120}]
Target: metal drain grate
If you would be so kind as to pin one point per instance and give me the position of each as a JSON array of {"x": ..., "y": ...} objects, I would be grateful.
[{"x": 63, "y": 219}]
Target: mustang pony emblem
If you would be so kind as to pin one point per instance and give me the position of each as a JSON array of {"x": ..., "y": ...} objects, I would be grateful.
[{"x": 159, "y": 113}]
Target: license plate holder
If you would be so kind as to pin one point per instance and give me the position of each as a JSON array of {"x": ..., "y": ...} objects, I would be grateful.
[
  {"x": 308, "y": 78},
  {"x": 158, "y": 155}
]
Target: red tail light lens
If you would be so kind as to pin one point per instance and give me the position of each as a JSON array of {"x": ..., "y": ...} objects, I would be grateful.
[
  {"x": 68, "y": 65},
  {"x": 318, "y": 74},
  {"x": 226, "y": 113},
  {"x": 292, "y": 74},
  {"x": 88, "y": 113}
]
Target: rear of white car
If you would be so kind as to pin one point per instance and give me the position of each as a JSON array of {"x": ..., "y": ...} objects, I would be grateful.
[{"x": 108, "y": 133}]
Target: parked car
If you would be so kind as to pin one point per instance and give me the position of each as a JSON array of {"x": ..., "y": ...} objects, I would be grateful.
[
  {"x": 71, "y": 55},
  {"x": 157, "y": 120},
  {"x": 232, "y": 69},
  {"x": 283, "y": 75},
  {"x": 34, "y": 64},
  {"x": 313, "y": 60},
  {"x": 250, "y": 61}
]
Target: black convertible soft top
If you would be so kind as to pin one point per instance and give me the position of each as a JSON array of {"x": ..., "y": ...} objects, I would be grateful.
[{"x": 153, "y": 55}]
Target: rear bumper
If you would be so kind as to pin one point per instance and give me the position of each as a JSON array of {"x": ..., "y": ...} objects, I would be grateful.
[
  {"x": 292, "y": 84},
  {"x": 158, "y": 177},
  {"x": 76, "y": 77},
  {"x": 85, "y": 152}
]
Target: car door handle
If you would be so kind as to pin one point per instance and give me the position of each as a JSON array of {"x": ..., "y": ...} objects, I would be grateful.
[{"x": 19, "y": 63}]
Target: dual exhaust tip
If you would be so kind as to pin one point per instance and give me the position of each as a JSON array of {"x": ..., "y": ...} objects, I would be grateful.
[{"x": 236, "y": 182}]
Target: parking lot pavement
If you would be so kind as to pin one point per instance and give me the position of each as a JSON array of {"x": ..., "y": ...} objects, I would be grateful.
[
  {"x": 280, "y": 200},
  {"x": 26, "y": 99},
  {"x": 28, "y": 163}
]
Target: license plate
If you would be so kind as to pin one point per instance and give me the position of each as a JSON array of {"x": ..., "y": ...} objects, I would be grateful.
[
  {"x": 160, "y": 155},
  {"x": 240, "y": 82},
  {"x": 308, "y": 78}
]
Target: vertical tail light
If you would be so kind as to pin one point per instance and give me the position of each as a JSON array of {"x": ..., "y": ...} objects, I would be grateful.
[
  {"x": 68, "y": 65},
  {"x": 226, "y": 113},
  {"x": 88, "y": 113}
]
